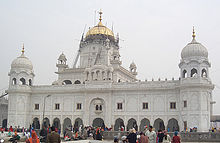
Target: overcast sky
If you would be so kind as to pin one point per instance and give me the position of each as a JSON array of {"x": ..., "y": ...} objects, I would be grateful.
[{"x": 152, "y": 33}]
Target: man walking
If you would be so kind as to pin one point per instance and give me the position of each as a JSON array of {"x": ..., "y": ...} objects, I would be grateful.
[
  {"x": 54, "y": 137},
  {"x": 151, "y": 135}
]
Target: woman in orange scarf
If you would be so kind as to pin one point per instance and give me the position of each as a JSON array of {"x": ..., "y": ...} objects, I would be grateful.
[{"x": 33, "y": 139}]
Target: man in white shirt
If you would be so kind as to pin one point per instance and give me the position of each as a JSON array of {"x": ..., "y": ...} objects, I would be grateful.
[{"x": 151, "y": 135}]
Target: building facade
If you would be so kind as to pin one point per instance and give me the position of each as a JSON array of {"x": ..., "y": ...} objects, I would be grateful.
[{"x": 99, "y": 91}]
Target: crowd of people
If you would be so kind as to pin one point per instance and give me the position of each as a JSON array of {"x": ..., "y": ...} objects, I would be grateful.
[{"x": 148, "y": 136}]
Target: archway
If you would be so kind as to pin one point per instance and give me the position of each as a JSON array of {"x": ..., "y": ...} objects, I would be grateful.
[
  {"x": 77, "y": 82},
  {"x": 22, "y": 80},
  {"x": 98, "y": 122},
  {"x": 56, "y": 123},
  {"x": 77, "y": 123},
  {"x": 132, "y": 124},
  {"x": 14, "y": 81},
  {"x": 184, "y": 74},
  {"x": 67, "y": 124},
  {"x": 193, "y": 72},
  {"x": 46, "y": 122},
  {"x": 4, "y": 123},
  {"x": 204, "y": 73},
  {"x": 118, "y": 124},
  {"x": 159, "y": 124},
  {"x": 36, "y": 123},
  {"x": 67, "y": 82},
  {"x": 173, "y": 125},
  {"x": 144, "y": 122}
]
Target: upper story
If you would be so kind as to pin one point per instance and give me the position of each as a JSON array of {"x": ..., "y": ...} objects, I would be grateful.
[{"x": 99, "y": 64}]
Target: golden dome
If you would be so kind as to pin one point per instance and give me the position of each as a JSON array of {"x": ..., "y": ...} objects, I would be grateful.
[{"x": 100, "y": 29}]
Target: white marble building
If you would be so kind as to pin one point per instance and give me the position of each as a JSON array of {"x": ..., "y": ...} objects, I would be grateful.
[{"x": 100, "y": 90}]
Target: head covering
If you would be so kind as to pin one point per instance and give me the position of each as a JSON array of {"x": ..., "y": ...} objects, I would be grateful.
[
  {"x": 175, "y": 133},
  {"x": 34, "y": 135}
]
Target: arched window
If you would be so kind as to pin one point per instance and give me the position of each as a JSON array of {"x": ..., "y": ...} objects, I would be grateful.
[
  {"x": 97, "y": 107},
  {"x": 67, "y": 82},
  {"x": 30, "y": 82},
  {"x": 119, "y": 80},
  {"x": 193, "y": 72},
  {"x": 14, "y": 81},
  {"x": 184, "y": 74},
  {"x": 100, "y": 107},
  {"x": 204, "y": 73},
  {"x": 23, "y": 82},
  {"x": 77, "y": 82}
]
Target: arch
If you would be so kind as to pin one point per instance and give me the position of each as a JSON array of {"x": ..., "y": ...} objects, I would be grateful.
[
  {"x": 30, "y": 82},
  {"x": 204, "y": 73},
  {"x": 193, "y": 72},
  {"x": 4, "y": 123},
  {"x": 132, "y": 123},
  {"x": 22, "y": 80},
  {"x": 184, "y": 74},
  {"x": 67, "y": 82},
  {"x": 46, "y": 122},
  {"x": 100, "y": 107},
  {"x": 14, "y": 81},
  {"x": 98, "y": 122},
  {"x": 159, "y": 124},
  {"x": 56, "y": 123},
  {"x": 77, "y": 82},
  {"x": 67, "y": 124},
  {"x": 36, "y": 123},
  {"x": 173, "y": 125},
  {"x": 118, "y": 124},
  {"x": 144, "y": 122},
  {"x": 77, "y": 123}
]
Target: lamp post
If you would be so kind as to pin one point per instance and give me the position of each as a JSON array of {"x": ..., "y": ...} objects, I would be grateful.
[{"x": 44, "y": 106}]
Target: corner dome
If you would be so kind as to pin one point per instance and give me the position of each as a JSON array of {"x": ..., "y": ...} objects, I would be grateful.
[
  {"x": 22, "y": 62},
  {"x": 194, "y": 49}
]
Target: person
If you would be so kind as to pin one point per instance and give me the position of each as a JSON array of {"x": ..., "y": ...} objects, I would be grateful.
[
  {"x": 43, "y": 134},
  {"x": 132, "y": 137},
  {"x": 151, "y": 135},
  {"x": 98, "y": 134},
  {"x": 54, "y": 137},
  {"x": 160, "y": 136},
  {"x": 176, "y": 138},
  {"x": 166, "y": 138},
  {"x": 15, "y": 138},
  {"x": 143, "y": 138},
  {"x": 124, "y": 139},
  {"x": 11, "y": 129},
  {"x": 33, "y": 138}
]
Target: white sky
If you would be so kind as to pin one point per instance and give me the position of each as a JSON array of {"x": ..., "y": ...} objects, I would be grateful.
[{"x": 152, "y": 32}]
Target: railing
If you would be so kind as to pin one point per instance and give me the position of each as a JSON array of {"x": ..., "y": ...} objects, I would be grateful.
[{"x": 185, "y": 137}]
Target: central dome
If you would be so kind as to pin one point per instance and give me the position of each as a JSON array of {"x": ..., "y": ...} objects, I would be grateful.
[{"x": 100, "y": 29}]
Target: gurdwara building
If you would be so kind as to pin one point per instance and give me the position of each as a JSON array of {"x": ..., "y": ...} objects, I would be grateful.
[{"x": 99, "y": 91}]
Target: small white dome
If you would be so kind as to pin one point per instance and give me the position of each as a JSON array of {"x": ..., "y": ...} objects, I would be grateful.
[
  {"x": 194, "y": 49},
  {"x": 22, "y": 62},
  {"x": 62, "y": 57},
  {"x": 133, "y": 65}
]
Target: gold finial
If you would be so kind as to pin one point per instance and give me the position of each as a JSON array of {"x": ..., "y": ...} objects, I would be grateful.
[
  {"x": 22, "y": 48},
  {"x": 100, "y": 15},
  {"x": 194, "y": 35}
]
